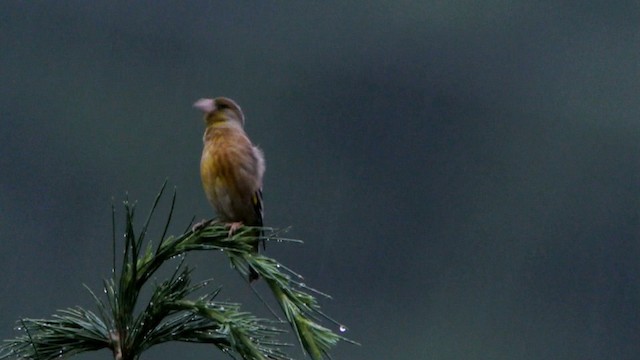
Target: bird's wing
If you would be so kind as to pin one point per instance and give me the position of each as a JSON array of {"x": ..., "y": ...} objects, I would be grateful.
[{"x": 258, "y": 173}]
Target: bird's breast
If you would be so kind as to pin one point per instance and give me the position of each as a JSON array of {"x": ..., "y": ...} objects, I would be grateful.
[{"x": 229, "y": 173}]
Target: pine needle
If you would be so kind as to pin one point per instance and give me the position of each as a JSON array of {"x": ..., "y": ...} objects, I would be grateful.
[{"x": 173, "y": 312}]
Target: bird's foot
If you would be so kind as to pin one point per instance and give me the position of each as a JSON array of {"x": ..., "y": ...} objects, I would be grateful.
[
  {"x": 233, "y": 227},
  {"x": 201, "y": 225}
]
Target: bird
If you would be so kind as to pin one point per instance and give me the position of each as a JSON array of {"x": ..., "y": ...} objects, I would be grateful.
[{"x": 231, "y": 168}]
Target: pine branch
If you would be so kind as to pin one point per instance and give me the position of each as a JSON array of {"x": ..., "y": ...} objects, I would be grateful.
[
  {"x": 301, "y": 308},
  {"x": 69, "y": 332},
  {"x": 172, "y": 313}
]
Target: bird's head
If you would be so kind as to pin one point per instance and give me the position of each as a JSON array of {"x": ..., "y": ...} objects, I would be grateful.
[{"x": 220, "y": 110}]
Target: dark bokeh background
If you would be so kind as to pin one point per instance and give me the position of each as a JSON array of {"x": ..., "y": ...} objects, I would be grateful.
[{"x": 465, "y": 174}]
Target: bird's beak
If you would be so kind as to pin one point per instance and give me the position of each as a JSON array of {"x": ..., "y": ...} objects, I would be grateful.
[{"x": 205, "y": 105}]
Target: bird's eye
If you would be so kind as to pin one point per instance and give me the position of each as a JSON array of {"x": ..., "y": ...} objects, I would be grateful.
[{"x": 222, "y": 106}]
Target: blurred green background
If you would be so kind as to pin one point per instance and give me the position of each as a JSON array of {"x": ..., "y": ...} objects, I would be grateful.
[{"x": 464, "y": 174}]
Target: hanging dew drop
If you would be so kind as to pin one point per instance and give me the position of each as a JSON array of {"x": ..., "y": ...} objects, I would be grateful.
[{"x": 342, "y": 328}]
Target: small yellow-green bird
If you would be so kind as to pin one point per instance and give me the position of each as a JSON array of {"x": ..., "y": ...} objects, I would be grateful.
[{"x": 231, "y": 167}]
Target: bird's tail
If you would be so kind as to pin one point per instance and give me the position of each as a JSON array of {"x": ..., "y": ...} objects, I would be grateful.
[
  {"x": 253, "y": 275},
  {"x": 259, "y": 212}
]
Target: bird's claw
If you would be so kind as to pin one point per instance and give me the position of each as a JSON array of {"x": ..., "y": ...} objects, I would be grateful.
[
  {"x": 233, "y": 227},
  {"x": 201, "y": 225}
]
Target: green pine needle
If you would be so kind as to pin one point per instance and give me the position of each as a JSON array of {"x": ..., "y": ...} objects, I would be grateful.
[{"x": 173, "y": 312}]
